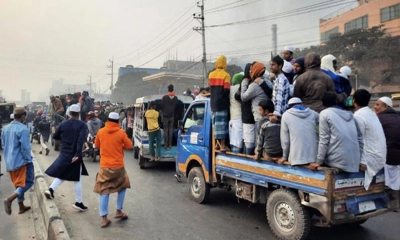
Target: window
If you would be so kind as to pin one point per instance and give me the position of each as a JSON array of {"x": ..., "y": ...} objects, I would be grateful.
[
  {"x": 325, "y": 35},
  {"x": 390, "y": 13},
  {"x": 195, "y": 116},
  {"x": 359, "y": 23}
]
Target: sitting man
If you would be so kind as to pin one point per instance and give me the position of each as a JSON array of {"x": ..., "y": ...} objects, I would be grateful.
[
  {"x": 373, "y": 157},
  {"x": 299, "y": 137},
  {"x": 339, "y": 137},
  {"x": 268, "y": 140}
]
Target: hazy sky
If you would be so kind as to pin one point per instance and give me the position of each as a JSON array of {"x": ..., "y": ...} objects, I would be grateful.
[{"x": 43, "y": 40}]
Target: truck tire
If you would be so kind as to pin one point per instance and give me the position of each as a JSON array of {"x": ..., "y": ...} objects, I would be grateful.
[
  {"x": 199, "y": 190},
  {"x": 142, "y": 162},
  {"x": 287, "y": 218},
  {"x": 135, "y": 152}
]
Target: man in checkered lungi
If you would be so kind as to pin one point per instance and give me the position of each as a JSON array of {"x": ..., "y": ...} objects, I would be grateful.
[{"x": 219, "y": 81}]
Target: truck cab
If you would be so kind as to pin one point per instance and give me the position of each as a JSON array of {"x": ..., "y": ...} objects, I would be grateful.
[
  {"x": 296, "y": 198},
  {"x": 140, "y": 134}
]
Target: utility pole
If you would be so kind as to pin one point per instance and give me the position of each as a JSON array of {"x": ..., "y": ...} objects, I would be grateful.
[
  {"x": 201, "y": 29},
  {"x": 274, "y": 29},
  {"x": 112, "y": 72},
  {"x": 90, "y": 84}
]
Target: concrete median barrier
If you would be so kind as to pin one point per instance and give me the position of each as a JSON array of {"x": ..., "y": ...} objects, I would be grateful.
[{"x": 54, "y": 226}]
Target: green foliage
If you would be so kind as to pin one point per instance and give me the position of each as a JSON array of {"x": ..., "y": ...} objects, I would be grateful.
[{"x": 371, "y": 53}]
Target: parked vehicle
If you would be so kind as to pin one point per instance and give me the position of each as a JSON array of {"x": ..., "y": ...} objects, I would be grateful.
[
  {"x": 296, "y": 198},
  {"x": 140, "y": 135}
]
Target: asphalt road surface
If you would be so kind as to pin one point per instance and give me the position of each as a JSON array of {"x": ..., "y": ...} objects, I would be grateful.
[{"x": 159, "y": 208}]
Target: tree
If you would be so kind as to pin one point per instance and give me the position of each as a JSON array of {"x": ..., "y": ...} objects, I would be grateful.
[{"x": 233, "y": 69}]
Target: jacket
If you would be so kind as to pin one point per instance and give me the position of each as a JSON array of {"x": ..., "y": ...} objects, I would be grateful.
[
  {"x": 390, "y": 121},
  {"x": 254, "y": 93},
  {"x": 169, "y": 102},
  {"x": 374, "y": 151},
  {"x": 87, "y": 105},
  {"x": 57, "y": 105},
  {"x": 16, "y": 146},
  {"x": 93, "y": 125},
  {"x": 299, "y": 137},
  {"x": 311, "y": 86},
  {"x": 219, "y": 81},
  {"x": 339, "y": 139},
  {"x": 44, "y": 129},
  {"x": 111, "y": 140},
  {"x": 72, "y": 134},
  {"x": 268, "y": 138},
  {"x": 152, "y": 120}
]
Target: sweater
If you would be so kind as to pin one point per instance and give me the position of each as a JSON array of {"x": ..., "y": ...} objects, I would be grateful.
[
  {"x": 254, "y": 93},
  {"x": 219, "y": 81},
  {"x": 152, "y": 120},
  {"x": 111, "y": 140},
  {"x": 339, "y": 140},
  {"x": 268, "y": 138},
  {"x": 390, "y": 121},
  {"x": 299, "y": 137},
  {"x": 235, "y": 106},
  {"x": 168, "y": 105}
]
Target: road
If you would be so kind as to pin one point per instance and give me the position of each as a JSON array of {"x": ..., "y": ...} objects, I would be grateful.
[
  {"x": 15, "y": 226},
  {"x": 159, "y": 208}
]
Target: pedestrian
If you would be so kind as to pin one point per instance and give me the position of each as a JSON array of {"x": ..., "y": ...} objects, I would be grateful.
[
  {"x": 154, "y": 131},
  {"x": 129, "y": 122},
  {"x": 169, "y": 102},
  {"x": 299, "y": 137},
  {"x": 112, "y": 177},
  {"x": 86, "y": 105},
  {"x": 44, "y": 130},
  {"x": 390, "y": 121},
  {"x": 69, "y": 165},
  {"x": 30, "y": 117},
  {"x": 373, "y": 157},
  {"x": 219, "y": 81},
  {"x": 58, "y": 109},
  {"x": 18, "y": 160},
  {"x": 340, "y": 140}
]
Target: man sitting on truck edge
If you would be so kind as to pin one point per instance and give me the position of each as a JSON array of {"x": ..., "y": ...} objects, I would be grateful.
[
  {"x": 299, "y": 137},
  {"x": 374, "y": 152},
  {"x": 219, "y": 81},
  {"x": 169, "y": 102},
  {"x": 268, "y": 139},
  {"x": 339, "y": 137}
]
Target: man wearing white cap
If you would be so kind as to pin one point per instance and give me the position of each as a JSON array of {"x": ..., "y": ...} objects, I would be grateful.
[
  {"x": 373, "y": 157},
  {"x": 69, "y": 165},
  {"x": 112, "y": 177},
  {"x": 299, "y": 137},
  {"x": 390, "y": 121},
  {"x": 288, "y": 54}
]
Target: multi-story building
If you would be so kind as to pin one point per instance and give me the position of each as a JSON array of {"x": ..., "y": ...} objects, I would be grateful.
[{"x": 366, "y": 14}]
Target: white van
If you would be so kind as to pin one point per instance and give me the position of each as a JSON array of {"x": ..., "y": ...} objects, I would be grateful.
[{"x": 140, "y": 137}]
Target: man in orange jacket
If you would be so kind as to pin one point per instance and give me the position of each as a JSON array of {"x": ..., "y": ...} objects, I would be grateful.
[{"x": 112, "y": 177}]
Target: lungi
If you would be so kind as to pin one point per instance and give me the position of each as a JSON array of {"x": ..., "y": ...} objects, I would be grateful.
[
  {"x": 220, "y": 124},
  {"x": 236, "y": 133},
  {"x": 392, "y": 176}
]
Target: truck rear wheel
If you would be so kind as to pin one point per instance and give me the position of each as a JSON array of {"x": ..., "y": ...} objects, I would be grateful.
[
  {"x": 287, "y": 218},
  {"x": 135, "y": 152},
  {"x": 199, "y": 190}
]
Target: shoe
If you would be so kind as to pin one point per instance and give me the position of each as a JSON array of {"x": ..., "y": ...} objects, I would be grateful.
[
  {"x": 40, "y": 152},
  {"x": 80, "y": 207},
  {"x": 49, "y": 193},
  {"x": 47, "y": 151},
  {"x": 157, "y": 158}
]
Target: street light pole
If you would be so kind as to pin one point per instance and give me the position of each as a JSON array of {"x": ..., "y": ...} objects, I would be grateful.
[{"x": 201, "y": 29}]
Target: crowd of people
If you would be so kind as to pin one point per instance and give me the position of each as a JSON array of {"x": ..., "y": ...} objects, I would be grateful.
[{"x": 299, "y": 113}]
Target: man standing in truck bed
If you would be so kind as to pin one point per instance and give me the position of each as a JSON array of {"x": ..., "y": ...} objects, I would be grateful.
[
  {"x": 169, "y": 102},
  {"x": 219, "y": 81}
]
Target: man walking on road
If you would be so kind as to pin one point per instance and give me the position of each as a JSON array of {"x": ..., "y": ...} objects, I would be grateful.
[
  {"x": 69, "y": 165},
  {"x": 18, "y": 159},
  {"x": 112, "y": 177}
]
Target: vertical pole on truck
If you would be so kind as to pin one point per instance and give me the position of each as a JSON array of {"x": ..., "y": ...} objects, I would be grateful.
[{"x": 202, "y": 29}]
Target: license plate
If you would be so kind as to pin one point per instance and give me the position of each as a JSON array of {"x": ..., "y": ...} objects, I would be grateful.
[{"x": 366, "y": 206}]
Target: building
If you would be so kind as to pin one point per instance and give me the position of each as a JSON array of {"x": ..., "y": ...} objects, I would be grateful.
[{"x": 365, "y": 14}]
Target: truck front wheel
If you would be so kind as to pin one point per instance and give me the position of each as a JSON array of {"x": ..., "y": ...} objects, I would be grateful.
[
  {"x": 287, "y": 218},
  {"x": 199, "y": 190}
]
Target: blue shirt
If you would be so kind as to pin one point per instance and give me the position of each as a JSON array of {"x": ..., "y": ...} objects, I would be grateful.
[{"x": 16, "y": 145}]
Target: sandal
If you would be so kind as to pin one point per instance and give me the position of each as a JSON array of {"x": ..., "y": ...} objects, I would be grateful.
[
  {"x": 123, "y": 216},
  {"x": 104, "y": 225},
  {"x": 7, "y": 206}
]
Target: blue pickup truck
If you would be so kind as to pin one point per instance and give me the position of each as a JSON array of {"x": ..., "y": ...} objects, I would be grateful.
[{"x": 296, "y": 198}]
